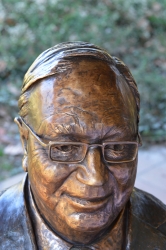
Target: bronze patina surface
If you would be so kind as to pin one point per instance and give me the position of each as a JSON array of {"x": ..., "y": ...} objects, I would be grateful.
[{"x": 79, "y": 115}]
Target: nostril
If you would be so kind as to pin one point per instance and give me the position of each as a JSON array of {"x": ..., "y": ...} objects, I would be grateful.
[
  {"x": 92, "y": 178},
  {"x": 81, "y": 175},
  {"x": 89, "y": 180},
  {"x": 92, "y": 171}
]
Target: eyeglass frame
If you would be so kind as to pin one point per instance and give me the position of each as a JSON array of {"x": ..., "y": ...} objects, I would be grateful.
[{"x": 139, "y": 143}]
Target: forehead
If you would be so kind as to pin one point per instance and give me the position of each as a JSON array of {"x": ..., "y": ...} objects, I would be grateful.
[{"x": 86, "y": 94}]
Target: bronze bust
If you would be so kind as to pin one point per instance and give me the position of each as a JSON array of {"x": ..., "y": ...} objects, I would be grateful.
[{"x": 79, "y": 115}]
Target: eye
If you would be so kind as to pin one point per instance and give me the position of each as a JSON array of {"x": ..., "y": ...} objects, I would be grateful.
[
  {"x": 115, "y": 147},
  {"x": 64, "y": 148},
  {"x": 118, "y": 147},
  {"x": 120, "y": 152}
]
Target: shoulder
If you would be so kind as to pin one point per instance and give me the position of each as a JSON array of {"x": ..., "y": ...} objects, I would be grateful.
[
  {"x": 149, "y": 209},
  {"x": 15, "y": 229},
  {"x": 147, "y": 222},
  {"x": 11, "y": 203}
]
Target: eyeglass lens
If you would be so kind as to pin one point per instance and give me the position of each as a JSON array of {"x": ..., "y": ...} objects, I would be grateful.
[{"x": 76, "y": 152}]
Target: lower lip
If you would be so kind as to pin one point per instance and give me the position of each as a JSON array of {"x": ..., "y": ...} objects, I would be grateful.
[{"x": 85, "y": 205}]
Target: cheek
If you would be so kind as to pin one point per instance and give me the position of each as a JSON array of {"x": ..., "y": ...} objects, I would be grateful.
[
  {"x": 124, "y": 175},
  {"x": 124, "y": 178},
  {"x": 45, "y": 176}
]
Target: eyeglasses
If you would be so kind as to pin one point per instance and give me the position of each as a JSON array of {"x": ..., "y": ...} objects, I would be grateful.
[{"x": 75, "y": 152}]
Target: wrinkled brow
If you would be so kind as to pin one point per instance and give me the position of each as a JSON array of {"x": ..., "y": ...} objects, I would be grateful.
[{"x": 76, "y": 133}]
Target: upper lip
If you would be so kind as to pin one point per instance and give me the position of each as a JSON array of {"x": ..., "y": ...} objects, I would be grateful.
[
  {"x": 90, "y": 199},
  {"x": 87, "y": 204}
]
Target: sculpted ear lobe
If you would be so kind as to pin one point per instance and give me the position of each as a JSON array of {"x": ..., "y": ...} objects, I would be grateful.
[
  {"x": 23, "y": 134},
  {"x": 25, "y": 163}
]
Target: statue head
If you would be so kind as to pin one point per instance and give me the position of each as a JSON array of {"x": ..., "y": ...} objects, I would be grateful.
[{"x": 79, "y": 114}]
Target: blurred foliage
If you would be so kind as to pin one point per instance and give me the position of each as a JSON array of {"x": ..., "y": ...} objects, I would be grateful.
[
  {"x": 133, "y": 30},
  {"x": 10, "y": 165}
]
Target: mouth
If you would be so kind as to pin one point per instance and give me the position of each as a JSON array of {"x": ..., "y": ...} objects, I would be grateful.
[{"x": 88, "y": 205}]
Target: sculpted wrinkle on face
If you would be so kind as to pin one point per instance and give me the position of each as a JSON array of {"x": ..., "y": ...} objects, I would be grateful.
[
  {"x": 74, "y": 196},
  {"x": 78, "y": 123}
]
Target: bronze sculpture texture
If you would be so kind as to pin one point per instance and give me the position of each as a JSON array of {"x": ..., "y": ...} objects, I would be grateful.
[{"x": 79, "y": 116}]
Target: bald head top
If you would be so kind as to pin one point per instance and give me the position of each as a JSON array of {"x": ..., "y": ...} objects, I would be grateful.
[{"x": 57, "y": 60}]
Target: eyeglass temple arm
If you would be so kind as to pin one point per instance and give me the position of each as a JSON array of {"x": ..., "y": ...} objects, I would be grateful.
[{"x": 18, "y": 119}]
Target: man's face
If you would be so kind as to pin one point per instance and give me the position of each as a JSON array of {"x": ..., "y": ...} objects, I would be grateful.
[{"x": 83, "y": 105}]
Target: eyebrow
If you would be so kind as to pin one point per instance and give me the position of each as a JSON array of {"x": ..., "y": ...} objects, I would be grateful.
[
  {"x": 114, "y": 131},
  {"x": 71, "y": 136},
  {"x": 77, "y": 137}
]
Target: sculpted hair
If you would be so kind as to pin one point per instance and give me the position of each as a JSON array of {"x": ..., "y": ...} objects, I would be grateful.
[{"x": 57, "y": 60}]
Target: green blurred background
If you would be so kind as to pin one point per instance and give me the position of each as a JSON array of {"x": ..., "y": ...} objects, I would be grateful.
[{"x": 133, "y": 30}]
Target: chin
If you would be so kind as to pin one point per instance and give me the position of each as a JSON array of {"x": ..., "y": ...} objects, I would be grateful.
[{"x": 91, "y": 222}]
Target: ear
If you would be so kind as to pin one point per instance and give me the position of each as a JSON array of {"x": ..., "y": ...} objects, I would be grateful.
[
  {"x": 23, "y": 134},
  {"x": 24, "y": 137}
]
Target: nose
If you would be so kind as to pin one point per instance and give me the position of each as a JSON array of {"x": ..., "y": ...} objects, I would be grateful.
[{"x": 92, "y": 171}]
